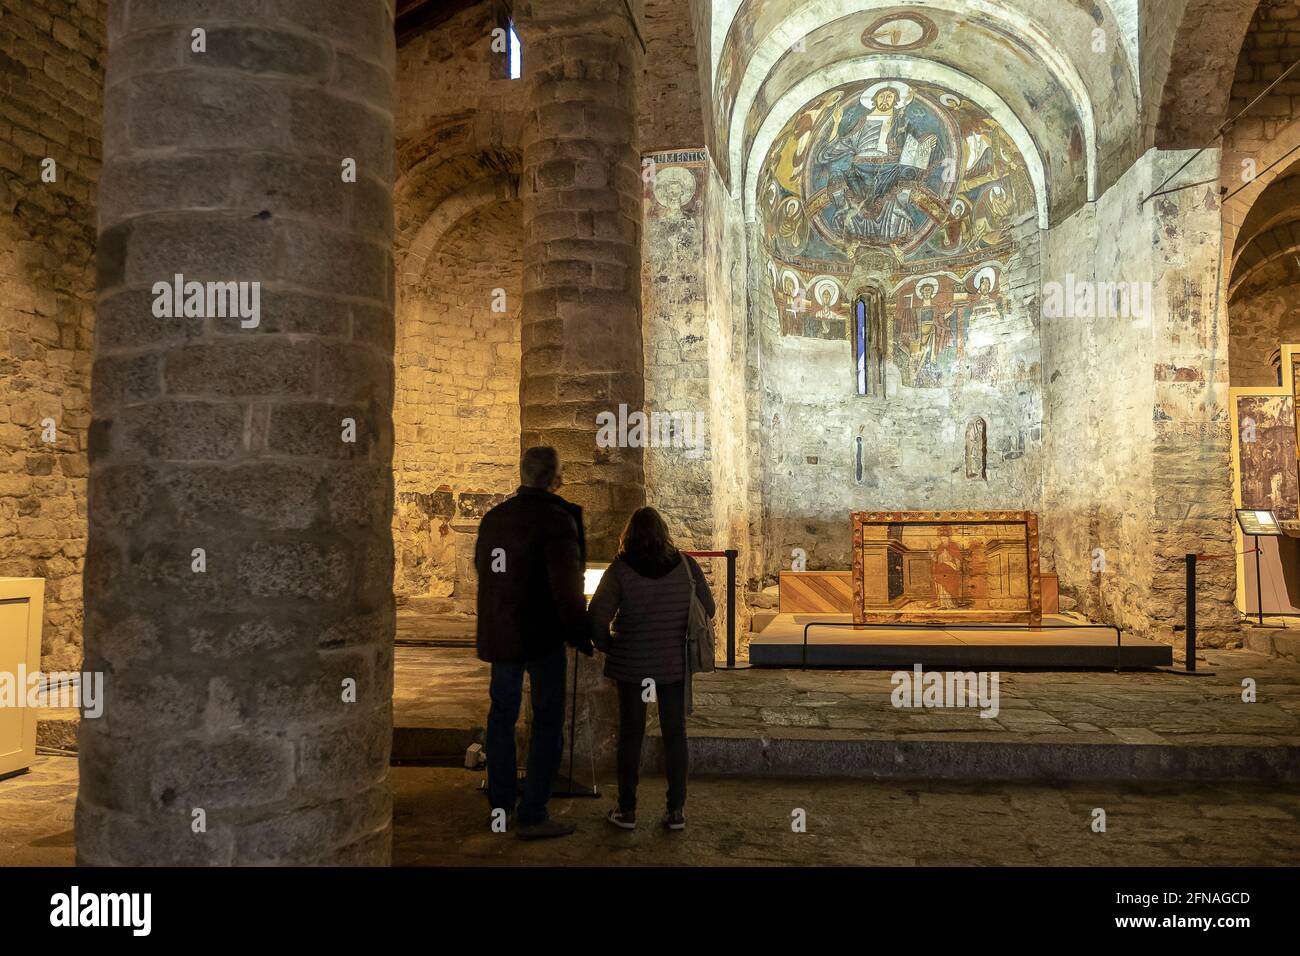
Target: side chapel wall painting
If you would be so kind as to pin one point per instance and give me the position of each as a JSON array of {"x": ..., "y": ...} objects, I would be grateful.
[{"x": 938, "y": 567}]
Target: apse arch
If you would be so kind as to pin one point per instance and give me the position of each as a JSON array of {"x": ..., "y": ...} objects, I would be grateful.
[
  {"x": 1012, "y": 24},
  {"x": 1278, "y": 203},
  {"x": 893, "y": 68}
]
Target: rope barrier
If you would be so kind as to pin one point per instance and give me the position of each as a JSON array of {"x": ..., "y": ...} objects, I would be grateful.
[{"x": 1221, "y": 557}]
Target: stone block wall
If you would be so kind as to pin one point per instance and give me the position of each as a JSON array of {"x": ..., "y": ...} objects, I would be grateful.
[
  {"x": 456, "y": 413},
  {"x": 51, "y": 75},
  {"x": 1271, "y": 44},
  {"x": 670, "y": 117},
  {"x": 1136, "y": 455},
  {"x": 449, "y": 70}
]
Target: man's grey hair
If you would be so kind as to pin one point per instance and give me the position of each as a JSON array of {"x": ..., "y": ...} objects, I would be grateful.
[{"x": 539, "y": 466}]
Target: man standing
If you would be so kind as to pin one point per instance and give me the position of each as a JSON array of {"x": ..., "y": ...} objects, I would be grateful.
[{"x": 530, "y": 557}]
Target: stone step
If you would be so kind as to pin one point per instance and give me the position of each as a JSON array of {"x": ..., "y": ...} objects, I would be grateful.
[
  {"x": 1283, "y": 643},
  {"x": 56, "y": 728},
  {"x": 745, "y": 753},
  {"x": 59, "y": 731},
  {"x": 433, "y": 743}
]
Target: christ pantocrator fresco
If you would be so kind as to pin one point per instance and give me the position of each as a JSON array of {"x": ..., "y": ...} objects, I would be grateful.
[{"x": 919, "y": 183}]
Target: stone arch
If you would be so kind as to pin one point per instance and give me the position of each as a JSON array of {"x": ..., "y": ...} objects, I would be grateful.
[
  {"x": 450, "y": 211},
  {"x": 1263, "y": 250},
  {"x": 450, "y": 156},
  {"x": 1240, "y": 198},
  {"x": 1278, "y": 203},
  {"x": 1195, "y": 88}
]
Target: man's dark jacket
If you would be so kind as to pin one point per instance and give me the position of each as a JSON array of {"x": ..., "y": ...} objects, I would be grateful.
[{"x": 530, "y": 601}]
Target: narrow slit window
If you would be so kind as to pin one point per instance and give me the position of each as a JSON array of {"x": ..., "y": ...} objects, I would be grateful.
[
  {"x": 506, "y": 62},
  {"x": 860, "y": 342},
  {"x": 515, "y": 61}
]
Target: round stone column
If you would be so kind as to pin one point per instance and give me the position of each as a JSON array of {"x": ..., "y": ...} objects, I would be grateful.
[
  {"x": 581, "y": 192},
  {"x": 238, "y": 583}
]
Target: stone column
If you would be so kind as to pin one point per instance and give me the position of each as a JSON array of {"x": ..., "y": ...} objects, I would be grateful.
[
  {"x": 581, "y": 335},
  {"x": 580, "y": 186},
  {"x": 238, "y": 583}
]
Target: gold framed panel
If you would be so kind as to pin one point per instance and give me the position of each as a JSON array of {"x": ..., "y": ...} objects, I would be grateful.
[{"x": 946, "y": 567}]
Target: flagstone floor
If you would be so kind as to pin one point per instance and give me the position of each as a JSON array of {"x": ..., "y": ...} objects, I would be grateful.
[
  {"x": 448, "y": 687},
  {"x": 440, "y": 819}
]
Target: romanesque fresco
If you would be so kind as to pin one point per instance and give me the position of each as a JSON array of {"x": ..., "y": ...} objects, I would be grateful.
[{"x": 907, "y": 186}]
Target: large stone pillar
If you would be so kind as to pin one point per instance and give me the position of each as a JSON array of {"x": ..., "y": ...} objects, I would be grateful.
[
  {"x": 581, "y": 335},
  {"x": 581, "y": 195},
  {"x": 238, "y": 583}
]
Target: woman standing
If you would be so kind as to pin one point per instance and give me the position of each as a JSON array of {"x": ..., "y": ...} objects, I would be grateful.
[{"x": 638, "y": 618}]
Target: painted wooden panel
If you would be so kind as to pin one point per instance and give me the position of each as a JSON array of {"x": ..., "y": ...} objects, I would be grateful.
[
  {"x": 969, "y": 567},
  {"x": 815, "y": 592}
]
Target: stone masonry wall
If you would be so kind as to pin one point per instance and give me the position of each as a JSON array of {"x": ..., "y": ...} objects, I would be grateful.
[
  {"x": 1136, "y": 456},
  {"x": 51, "y": 74},
  {"x": 1271, "y": 44},
  {"x": 456, "y": 414},
  {"x": 669, "y": 115}
]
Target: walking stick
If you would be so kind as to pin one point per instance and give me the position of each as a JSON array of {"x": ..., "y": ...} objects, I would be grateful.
[{"x": 565, "y": 785}]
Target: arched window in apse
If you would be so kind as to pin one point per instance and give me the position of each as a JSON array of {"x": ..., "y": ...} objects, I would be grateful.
[{"x": 869, "y": 343}]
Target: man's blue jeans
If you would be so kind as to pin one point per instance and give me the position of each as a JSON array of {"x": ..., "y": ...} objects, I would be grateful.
[{"x": 546, "y": 679}]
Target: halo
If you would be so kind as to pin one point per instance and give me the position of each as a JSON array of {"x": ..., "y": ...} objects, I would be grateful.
[
  {"x": 929, "y": 281},
  {"x": 793, "y": 277},
  {"x": 674, "y": 174},
  {"x": 826, "y": 283},
  {"x": 903, "y": 91},
  {"x": 989, "y": 271}
]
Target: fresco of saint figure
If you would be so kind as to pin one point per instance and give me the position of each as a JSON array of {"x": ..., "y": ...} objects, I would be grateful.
[{"x": 986, "y": 303}]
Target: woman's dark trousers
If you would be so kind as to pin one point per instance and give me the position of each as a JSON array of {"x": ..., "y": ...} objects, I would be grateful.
[{"x": 631, "y": 732}]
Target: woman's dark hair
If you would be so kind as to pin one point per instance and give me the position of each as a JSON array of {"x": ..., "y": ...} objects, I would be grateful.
[{"x": 645, "y": 540}]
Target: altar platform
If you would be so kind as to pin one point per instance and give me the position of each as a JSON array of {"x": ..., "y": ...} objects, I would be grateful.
[{"x": 1063, "y": 642}]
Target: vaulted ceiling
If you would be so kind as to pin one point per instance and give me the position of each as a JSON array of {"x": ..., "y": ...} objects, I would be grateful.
[{"x": 1060, "y": 75}]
